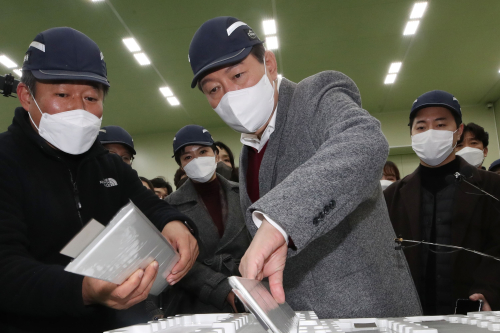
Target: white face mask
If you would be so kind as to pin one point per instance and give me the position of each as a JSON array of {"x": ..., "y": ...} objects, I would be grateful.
[
  {"x": 246, "y": 110},
  {"x": 433, "y": 146},
  {"x": 473, "y": 156},
  {"x": 72, "y": 132},
  {"x": 385, "y": 183},
  {"x": 201, "y": 169}
]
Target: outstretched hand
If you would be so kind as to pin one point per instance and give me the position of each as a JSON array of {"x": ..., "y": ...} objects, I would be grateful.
[{"x": 266, "y": 257}]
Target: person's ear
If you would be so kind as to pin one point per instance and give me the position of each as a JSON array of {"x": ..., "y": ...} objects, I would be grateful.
[
  {"x": 271, "y": 65},
  {"x": 24, "y": 96},
  {"x": 485, "y": 150}
]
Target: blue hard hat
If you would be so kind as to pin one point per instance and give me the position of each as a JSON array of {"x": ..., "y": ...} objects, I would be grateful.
[
  {"x": 220, "y": 42},
  {"x": 192, "y": 135},
  {"x": 494, "y": 165},
  {"x": 437, "y": 98},
  {"x": 65, "y": 54},
  {"x": 116, "y": 134}
]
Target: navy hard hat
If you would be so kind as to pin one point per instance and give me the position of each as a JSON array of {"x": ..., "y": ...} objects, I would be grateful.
[
  {"x": 219, "y": 42},
  {"x": 437, "y": 98},
  {"x": 192, "y": 135},
  {"x": 494, "y": 165},
  {"x": 116, "y": 134},
  {"x": 65, "y": 54}
]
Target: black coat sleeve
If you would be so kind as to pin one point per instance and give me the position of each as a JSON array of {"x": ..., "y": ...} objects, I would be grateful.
[{"x": 158, "y": 211}]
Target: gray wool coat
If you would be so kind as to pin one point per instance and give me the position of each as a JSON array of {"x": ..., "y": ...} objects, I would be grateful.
[
  {"x": 319, "y": 180},
  {"x": 205, "y": 287}
]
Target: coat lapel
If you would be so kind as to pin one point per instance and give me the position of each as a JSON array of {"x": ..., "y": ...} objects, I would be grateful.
[
  {"x": 267, "y": 169},
  {"x": 234, "y": 222},
  {"x": 410, "y": 195}
]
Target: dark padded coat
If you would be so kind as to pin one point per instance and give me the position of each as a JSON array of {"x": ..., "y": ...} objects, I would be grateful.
[
  {"x": 39, "y": 196},
  {"x": 475, "y": 225}
]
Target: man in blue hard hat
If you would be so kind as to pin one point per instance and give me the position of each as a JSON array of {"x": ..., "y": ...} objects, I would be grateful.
[
  {"x": 309, "y": 179},
  {"x": 429, "y": 205},
  {"x": 117, "y": 141},
  {"x": 55, "y": 177}
]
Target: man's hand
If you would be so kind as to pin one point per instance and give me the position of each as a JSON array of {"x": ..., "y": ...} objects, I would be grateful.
[
  {"x": 266, "y": 257},
  {"x": 181, "y": 239},
  {"x": 477, "y": 297},
  {"x": 134, "y": 290}
]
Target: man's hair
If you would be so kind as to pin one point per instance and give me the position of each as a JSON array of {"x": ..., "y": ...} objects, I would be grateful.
[
  {"x": 258, "y": 51},
  {"x": 177, "y": 177},
  {"x": 478, "y": 133},
  {"x": 30, "y": 80},
  {"x": 390, "y": 168},
  {"x": 458, "y": 119},
  {"x": 147, "y": 181},
  {"x": 161, "y": 182},
  {"x": 177, "y": 154}
]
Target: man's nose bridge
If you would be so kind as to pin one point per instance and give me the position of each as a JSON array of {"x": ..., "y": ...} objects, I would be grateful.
[{"x": 77, "y": 102}]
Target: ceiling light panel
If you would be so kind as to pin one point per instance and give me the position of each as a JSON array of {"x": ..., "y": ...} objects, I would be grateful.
[
  {"x": 18, "y": 72},
  {"x": 272, "y": 43},
  {"x": 390, "y": 78},
  {"x": 395, "y": 67},
  {"x": 269, "y": 27},
  {"x": 142, "y": 59},
  {"x": 166, "y": 91},
  {"x": 418, "y": 10},
  {"x": 131, "y": 44},
  {"x": 411, "y": 27},
  {"x": 173, "y": 101},
  {"x": 4, "y": 60}
]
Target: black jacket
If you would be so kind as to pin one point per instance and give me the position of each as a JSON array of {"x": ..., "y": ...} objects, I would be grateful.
[
  {"x": 475, "y": 225},
  {"x": 39, "y": 196}
]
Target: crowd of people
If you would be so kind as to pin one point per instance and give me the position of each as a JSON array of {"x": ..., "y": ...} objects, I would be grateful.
[{"x": 314, "y": 207}]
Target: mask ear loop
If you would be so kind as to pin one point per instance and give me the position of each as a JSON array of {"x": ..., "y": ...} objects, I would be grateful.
[{"x": 36, "y": 106}]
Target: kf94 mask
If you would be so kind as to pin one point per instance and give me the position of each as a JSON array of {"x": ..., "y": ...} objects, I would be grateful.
[
  {"x": 433, "y": 146},
  {"x": 246, "y": 110},
  {"x": 201, "y": 169},
  {"x": 72, "y": 132},
  {"x": 473, "y": 156}
]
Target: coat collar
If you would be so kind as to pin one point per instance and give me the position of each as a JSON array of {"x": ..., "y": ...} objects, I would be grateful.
[
  {"x": 187, "y": 193},
  {"x": 462, "y": 213}
]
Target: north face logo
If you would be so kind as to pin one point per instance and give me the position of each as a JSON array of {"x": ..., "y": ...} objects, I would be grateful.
[{"x": 108, "y": 182}]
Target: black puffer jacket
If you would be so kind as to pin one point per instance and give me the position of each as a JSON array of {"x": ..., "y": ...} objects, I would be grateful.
[{"x": 39, "y": 196}]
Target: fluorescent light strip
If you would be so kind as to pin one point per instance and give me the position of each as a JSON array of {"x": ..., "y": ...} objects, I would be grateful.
[
  {"x": 280, "y": 76},
  {"x": 418, "y": 10},
  {"x": 269, "y": 27},
  {"x": 395, "y": 67},
  {"x": 173, "y": 101},
  {"x": 4, "y": 60},
  {"x": 272, "y": 43},
  {"x": 18, "y": 72},
  {"x": 390, "y": 78},
  {"x": 166, "y": 91},
  {"x": 411, "y": 27},
  {"x": 131, "y": 44},
  {"x": 97, "y": 0},
  {"x": 142, "y": 59}
]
